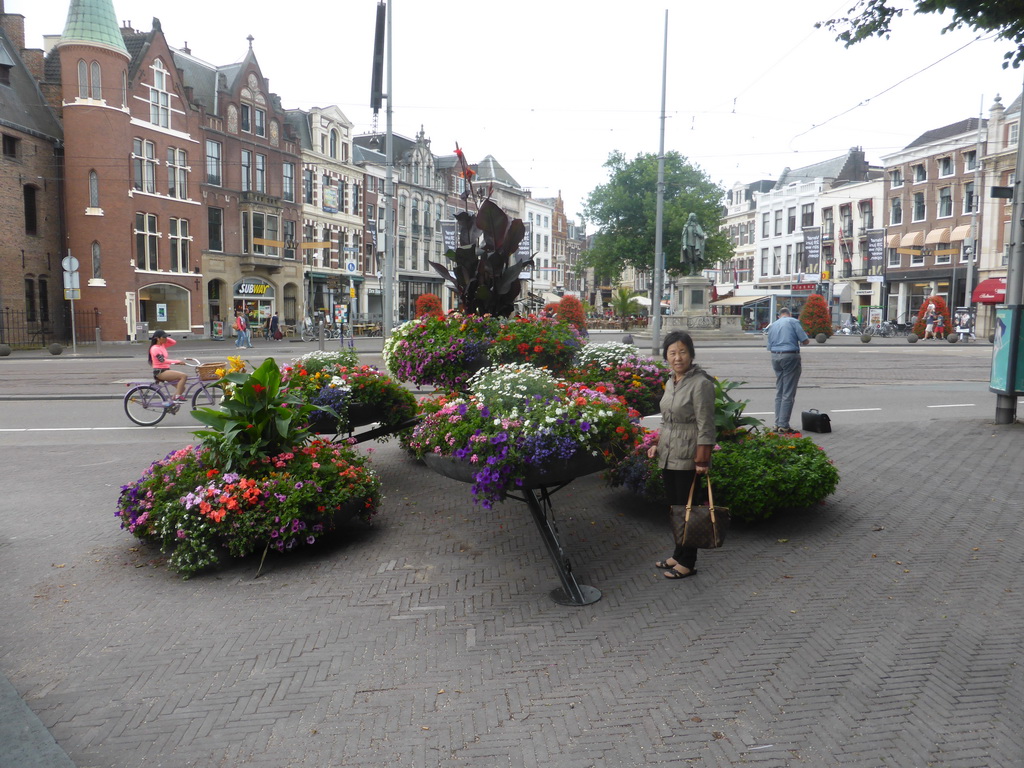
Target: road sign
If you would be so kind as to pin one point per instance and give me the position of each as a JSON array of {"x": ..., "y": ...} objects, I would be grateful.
[
  {"x": 72, "y": 294},
  {"x": 69, "y": 263}
]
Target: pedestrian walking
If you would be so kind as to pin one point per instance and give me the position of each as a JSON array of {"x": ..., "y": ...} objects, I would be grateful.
[
  {"x": 241, "y": 330},
  {"x": 940, "y": 326},
  {"x": 275, "y": 328},
  {"x": 929, "y": 322},
  {"x": 686, "y": 437},
  {"x": 785, "y": 337}
]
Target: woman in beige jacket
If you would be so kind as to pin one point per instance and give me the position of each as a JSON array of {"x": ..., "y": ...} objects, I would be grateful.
[{"x": 686, "y": 437}]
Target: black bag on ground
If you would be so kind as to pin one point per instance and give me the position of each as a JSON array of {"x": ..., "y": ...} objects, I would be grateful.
[{"x": 813, "y": 421}]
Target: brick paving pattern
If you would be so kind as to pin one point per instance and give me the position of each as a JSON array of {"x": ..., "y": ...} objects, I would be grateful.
[{"x": 882, "y": 629}]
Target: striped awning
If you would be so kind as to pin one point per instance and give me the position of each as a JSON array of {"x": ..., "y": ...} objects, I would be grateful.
[
  {"x": 960, "y": 233},
  {"x": 894, "y": 241},
  {"x": 937, "y": 236},
  {"x": 912, "y": 239}
]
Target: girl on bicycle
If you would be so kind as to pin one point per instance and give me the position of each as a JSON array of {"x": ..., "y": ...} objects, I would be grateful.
[{"x": 161, "y": 363}]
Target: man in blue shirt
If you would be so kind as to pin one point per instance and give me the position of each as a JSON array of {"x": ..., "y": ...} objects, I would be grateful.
[{"x": 785, "y": 336}]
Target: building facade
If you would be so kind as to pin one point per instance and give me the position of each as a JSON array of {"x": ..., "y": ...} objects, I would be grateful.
[
  {"x": 930, "y": 193},
  {"x": 32, "y": 306}
]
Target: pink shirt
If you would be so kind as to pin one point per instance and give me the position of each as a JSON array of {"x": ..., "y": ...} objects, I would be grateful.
[{"x": 158, "y": 355}]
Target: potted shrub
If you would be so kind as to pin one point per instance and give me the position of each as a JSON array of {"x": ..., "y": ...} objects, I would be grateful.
[{"x": 815, "y": 317}]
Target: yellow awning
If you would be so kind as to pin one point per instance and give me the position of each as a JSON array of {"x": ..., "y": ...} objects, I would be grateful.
[
  {"x": 960, "y": 233},
  {"x": 937, "y": 236},
  {"x": 894, "y": 241},
  {"x": 912, "y": 239}
]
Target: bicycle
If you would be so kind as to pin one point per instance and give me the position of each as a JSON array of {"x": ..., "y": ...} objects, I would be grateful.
[
  {"x": 312, "y": 332},
  {"x": 147, "y": 403}
]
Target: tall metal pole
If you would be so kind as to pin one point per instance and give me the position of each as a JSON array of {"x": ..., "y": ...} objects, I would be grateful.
[
  {"x": 976, "y": 203},
  {"x": 389, "y": 195},
  {"x": 659, "y": 254},
  {"x": 1006, "y": 405}
]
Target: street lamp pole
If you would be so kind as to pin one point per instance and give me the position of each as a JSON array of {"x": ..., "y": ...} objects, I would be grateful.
[
  {"x": 1006, "y": 404},
  {"x": 389, "y": 195},
  {"x": 659, "y": 254}
]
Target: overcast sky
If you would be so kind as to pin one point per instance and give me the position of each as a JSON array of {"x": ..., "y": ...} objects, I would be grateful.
[{"x": 551, "y": 87}]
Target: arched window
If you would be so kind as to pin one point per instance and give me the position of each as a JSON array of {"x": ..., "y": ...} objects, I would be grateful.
[
  {"x": 94, "y": 189},
  {"x": 97, "y": 265},
  {"x": 30, "y": 300},
  {"x": 97, "y": 87},
  {"x": 334, "y": 143},
  {"x": 124, "y": 89},
  {"x": 83, "y": 80}
]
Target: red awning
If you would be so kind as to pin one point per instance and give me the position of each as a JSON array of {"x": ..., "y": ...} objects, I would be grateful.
[{"x": 990, "y": 291}]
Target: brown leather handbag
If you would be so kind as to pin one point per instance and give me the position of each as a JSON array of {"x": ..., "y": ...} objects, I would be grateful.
[{"x": 700, "y": 527}]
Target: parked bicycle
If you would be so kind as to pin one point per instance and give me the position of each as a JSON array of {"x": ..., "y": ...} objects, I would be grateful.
[
  {"x": 147, "y": 402},
  {"x": 311, "y": 332}
]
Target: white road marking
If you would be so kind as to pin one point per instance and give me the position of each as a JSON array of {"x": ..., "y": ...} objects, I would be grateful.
[
  {"x": 852, "y": 410},
  {"x": 89, "y": 429},
  {"x": 952, "y": 405}
]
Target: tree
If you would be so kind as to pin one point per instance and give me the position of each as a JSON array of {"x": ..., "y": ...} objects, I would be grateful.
[
  {"x": 874, "y": 18},
  {"x": 625, "y": 211},
  {"x": 815, "y": 317},
  {"x": 624, "y": 302}
]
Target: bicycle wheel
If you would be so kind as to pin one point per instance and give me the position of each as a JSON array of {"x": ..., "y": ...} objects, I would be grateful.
[
  {"x": 144, "y": 405},
  {"x": 209, "y": 396},
  {"x": 308, "y": 334}
]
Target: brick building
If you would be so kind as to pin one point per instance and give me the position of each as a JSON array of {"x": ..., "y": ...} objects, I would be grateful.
[{"x": 31, "y": 299}]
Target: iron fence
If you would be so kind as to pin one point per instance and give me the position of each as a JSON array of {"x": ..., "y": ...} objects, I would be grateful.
[{"x": 20, "y": 331}]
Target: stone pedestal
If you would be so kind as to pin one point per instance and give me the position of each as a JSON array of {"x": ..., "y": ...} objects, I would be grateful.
[{"x": 691, "y": 296}]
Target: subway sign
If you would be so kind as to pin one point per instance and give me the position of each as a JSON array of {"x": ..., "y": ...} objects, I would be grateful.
[{"x": 253, "y": 289}]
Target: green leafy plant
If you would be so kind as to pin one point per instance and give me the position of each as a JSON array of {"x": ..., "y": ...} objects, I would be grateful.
[
  {"x": 760, "y": 474},
  {"x": 815, "y": 317},
  {"x": 729, "y": 419},
  {"x": 756, "y": 475},
  {"x": 259, "y": 419}
]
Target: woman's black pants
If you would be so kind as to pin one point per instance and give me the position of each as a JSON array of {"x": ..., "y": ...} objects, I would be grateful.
[{"x": 677, "y": 489}]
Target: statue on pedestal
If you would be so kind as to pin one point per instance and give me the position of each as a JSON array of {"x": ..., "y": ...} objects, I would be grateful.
[{"x": 692, "y": 256}]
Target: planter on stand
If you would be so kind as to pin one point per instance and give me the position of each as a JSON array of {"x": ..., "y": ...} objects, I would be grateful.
[{"x": 537, "y": 489}]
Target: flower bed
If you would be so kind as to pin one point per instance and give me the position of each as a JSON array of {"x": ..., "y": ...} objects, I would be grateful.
[
  {"x": 256, "y": 480},
  {"x": 622, "y": 370},
  {"x": 195, "y": 511},
  {"x": 508, "y": 436},
  {"x": 755, "y": 475},
  {"x": 446, "y": 351},
  {"x": 345, "y": 397}
]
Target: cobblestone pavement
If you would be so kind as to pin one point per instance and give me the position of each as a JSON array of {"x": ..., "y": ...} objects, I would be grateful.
[{"x": 882, "y": 628}]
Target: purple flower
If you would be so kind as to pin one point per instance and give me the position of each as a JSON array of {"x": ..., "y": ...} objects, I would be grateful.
[
  {"x": 584, "y": 426},
  {"x": 310, "y": 540}
]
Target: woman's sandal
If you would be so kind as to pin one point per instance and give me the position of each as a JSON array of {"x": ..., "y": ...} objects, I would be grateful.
[
  {"x": 672, "y": 573},
  {"x": 663, "y": 565}
]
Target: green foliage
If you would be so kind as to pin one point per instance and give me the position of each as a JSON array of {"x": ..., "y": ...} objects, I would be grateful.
[
  {"x": 756, "y": 475},
  {"x": 257, "y": 420},
  {"x": 729, "y": 419},
  {"x": 815, "y": 317},
  {"x": 487, "y": 262},
  {"x": 763, "y": 473},
  {"x": 624, "y": 302},
  {"x": 624, "y": 210},
  {"x": 874, "y": 19},
  {"x": 428, "y": 304}
]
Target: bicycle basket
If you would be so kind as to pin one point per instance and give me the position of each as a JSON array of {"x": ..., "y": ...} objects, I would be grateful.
[{"x": 208, "y": 371}]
